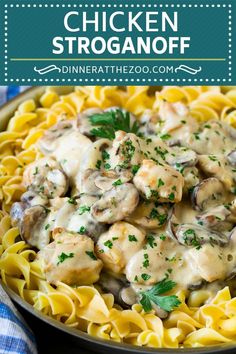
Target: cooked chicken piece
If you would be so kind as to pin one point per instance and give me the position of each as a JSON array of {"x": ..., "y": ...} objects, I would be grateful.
[
  {"x": 176, "y": 121},
  {"x": 32, "y": 222},
  {"x": 64, "y": 142},
  {"x": 46, "y": 177},
  {"x": 211, "y": 137},
  {"x": 74, "y": 215},
  {"x": 208, "y": 261},
  {"x": 116, "y": 204},
  {"x": 217, "y": 166},
  {"x": 126, "y": 150},
  {"x": 70, "y": 259},
  {"x": 159, "y": 182},
  {"x": 149, "y": 216},
  {"x": 118, "y": 245}
]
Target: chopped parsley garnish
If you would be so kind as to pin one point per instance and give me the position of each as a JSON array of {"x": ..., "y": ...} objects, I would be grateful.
[
  {"x": 161, "y": 152},
  {"x": 151, "y": 241},
  {"x": 63, "y": 256},
  {"x": 117, "y": 183},
  {"x": 47, "y": 227},
  {"x": 145, "y": 276},
  {"x": 160, "y": 183},
  {"x": 213, "y": 158},
  {"x": 163, "y": 237},
  {"x": 165, "y": 136},
  {"x": 132, "y": 238},
  {"x": 36, "y": 171},
  {"x": 112, "y": 121},
  {"x": 134, "y": 169},
  {"x": 91, "y": 255},
  {"x": 136, "y": 278},
  {"x": 207, "y": 126},
  {"x": 107, "y": 166},
  {"x": 83, "y": 209},
  {"x": 156, "y": 215},
  {"x": 191, "y": 239},
  {"x": 98, "y": 164},
  {"x": 82, "y": 230},
  {"x": 146, "y": 261},
  {"x": 72, "y": 200},
  {"x": 167, "y": 303},
  {"x": 108, "y": 244},
  {"x": 105, "y": 155},
  {"x": 171, "y": 196},
  {"x": 183, "y": 121},
  {"x": 196, "y": 135}
]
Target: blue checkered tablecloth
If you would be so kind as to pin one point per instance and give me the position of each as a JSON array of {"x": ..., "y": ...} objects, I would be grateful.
[{"x": 15, "y": 336}]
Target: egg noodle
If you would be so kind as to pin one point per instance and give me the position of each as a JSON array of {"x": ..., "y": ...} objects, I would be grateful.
[{"x": 196, "y": 322}]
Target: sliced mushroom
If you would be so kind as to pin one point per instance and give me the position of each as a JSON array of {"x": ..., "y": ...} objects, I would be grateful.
[
  {"x": 46, "y": 177},
  {"x": 83, "y": 123},
  {"x": 119, "y": 287},
  {"x": 31, "y": 198},
  {"x": 116, "y": 204},
  {"x": 217, "y": 166},
  {"x": 208, "y": 193},
  {"x": 31, "y": 222},
  {"x": 107, "y": 179},
  {"x": 232, "y": 158},
  {"x": 48, "y": 143},
  {"x": 91, "y": 162},
  {"x": 182, "y": 156},
  {"x": 215, "y": 217},
  {"x": 195, "y": 235}
]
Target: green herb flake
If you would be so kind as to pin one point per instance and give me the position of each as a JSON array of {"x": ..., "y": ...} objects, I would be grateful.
[
  {"x": 91, "y": 255},
  {"x": 63, "y": 256},
  {"x": 145, "y": 276},
  {"x": 151, "y": 241},
  {"x": 171, "y": 196},
  {"x": 98, "y": 164},
  {"x": 146, "y": 261},
  {"x": 36, "y": 171},
  {"x": 163, "y": 237},
  {"x": 108, "y": 244},
  {"x": 134, "y": 169},
  {"x": 72, "y": 201},
  {"x": 83, "y": 209},
  {"x": 82, "y": 230},
  {"x": 47, "y": 226},
  {"x": 160, "y": 183},
  {"x": 117, "y": 183},
  {"x": 165, "y": 136},
  {"x": 132, "y": 238}
]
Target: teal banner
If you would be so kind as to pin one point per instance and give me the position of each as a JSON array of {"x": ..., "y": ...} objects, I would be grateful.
[{"x": 122, "y": 42}]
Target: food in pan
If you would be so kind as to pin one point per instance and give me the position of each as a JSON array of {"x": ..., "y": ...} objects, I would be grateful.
[{"x": 119, "y": 212}]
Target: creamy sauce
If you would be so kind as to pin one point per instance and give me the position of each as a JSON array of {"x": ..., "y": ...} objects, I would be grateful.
[{"x": 146, "y": 208}]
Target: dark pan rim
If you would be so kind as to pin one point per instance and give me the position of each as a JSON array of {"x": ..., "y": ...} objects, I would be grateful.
[{"x": 6, "y": 111}]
